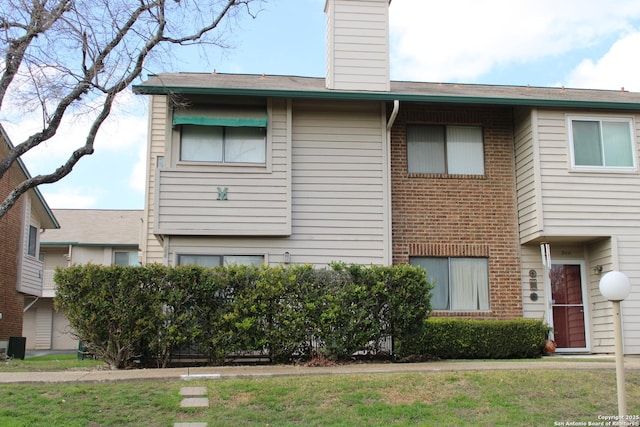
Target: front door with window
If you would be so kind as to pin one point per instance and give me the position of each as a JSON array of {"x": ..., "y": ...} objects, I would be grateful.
[{"x": 568, "y": 307}]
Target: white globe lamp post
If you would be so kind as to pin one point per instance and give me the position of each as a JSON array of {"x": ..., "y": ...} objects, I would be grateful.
[{"x": 615, "y": 286}]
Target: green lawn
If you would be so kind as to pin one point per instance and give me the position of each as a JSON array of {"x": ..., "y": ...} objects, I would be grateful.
[
  {"x": 56, "y": 362},
  {"x": 478, "y": 398}
]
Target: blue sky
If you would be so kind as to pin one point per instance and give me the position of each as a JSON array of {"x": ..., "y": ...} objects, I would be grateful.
[{"x": 575, "y": 43}]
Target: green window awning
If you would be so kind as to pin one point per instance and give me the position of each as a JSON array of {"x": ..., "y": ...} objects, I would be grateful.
[{"x": 233, "y": 117}]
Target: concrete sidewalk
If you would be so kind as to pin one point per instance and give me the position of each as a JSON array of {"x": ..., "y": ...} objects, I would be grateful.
[{"x": 552, "y": 362}]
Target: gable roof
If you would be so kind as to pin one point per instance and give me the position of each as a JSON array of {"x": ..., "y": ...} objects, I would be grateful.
[
  {"x": 48, "y": 220},
  {"x": 314, "y": 88},
  {"x": 95, "y": 227}
]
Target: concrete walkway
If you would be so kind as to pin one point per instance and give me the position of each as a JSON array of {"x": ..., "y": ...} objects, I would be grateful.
[{"x": 551, "y": 362}]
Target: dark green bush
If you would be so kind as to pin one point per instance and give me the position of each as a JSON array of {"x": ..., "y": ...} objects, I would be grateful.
[
  {"x": 113, "y": 310},
  {"x": 483, "y": 339},
  {"x": 128, "y": 314}
]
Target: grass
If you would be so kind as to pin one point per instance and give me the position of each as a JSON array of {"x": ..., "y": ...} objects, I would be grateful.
[
  {"x": 479, "y": 398},
  {"x": 47, "y": 363}
]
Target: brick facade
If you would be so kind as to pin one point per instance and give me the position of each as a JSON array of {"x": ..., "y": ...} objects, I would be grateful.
[
  {"x": 457, "y": 215},
  {"x": 11, "y": 301}
]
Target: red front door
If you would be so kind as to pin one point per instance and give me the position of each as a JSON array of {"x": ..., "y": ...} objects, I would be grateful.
[{"x": 568, "y": 307}]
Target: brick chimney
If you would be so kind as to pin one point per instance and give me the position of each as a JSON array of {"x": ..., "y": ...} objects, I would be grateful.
[{"x": 357, "y": 44}]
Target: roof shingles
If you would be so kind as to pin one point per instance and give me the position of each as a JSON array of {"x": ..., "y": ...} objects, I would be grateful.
[{"x": 313, "y": 87}]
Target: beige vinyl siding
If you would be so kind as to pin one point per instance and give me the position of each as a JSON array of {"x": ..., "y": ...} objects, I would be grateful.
[
  {"x": 597, "y": 207},
  {"x": 583, "y": 203},
  {"x": 527, "y": 175},
  {"x": 44, "y": 324},
  {"x": 628, "y": 250},
  {"x": 46, "y": 329},
  {"x": 31, "y": 271},
  {"x": 258, "y": 198},
  {"x": 531, "y": 259},
  {"x": 600, "y": 253},
  {"x": 337, "y": 172},
  {"x": 158, "y": 135},
  {"x": 358, "y": 45}
]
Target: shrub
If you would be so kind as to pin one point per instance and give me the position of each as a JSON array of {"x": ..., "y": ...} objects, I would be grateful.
[
  {"x": 483, "y": 339},
  {"x": 127, "y": 314},
  {"x": 113, "y": 310}
]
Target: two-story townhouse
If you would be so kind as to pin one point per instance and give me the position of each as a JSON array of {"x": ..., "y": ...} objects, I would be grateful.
[
  {"x": 96, "y": 236},
  {"x": 465, "y": 180},
  {"x": 21, "y": 269}
]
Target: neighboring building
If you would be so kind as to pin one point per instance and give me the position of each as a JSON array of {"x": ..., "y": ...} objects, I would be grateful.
[
  {"x": 466, "y": 180},
  {"x": 85, "y": 236},
  {"x": 21, "y": 269}
]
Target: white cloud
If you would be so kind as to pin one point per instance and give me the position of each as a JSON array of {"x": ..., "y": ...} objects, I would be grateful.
[
  {"x": 70, "y": 198},
  {"x": 124, "y": 130},
  {"x": 460, "y": 40},
  {"x": 620, "y": 67}
]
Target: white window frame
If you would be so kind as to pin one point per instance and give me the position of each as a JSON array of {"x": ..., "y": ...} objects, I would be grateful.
[
  {"x": 448, "y": 149},
  {"x": 604, "y": 167},
  {"x": 454, "y": 306}
]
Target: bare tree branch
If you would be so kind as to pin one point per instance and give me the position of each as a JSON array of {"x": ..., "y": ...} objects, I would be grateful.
[{"x": 65, "y": 56}]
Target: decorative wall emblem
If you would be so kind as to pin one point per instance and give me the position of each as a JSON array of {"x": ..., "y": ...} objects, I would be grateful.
[{"x": 222, "y": 193}]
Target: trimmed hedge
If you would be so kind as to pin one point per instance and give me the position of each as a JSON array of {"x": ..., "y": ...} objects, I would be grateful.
[
  {"x": 126, "y": 315},
  {"x": 483, "y": 339}
]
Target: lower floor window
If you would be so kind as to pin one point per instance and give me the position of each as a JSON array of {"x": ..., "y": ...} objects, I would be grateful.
[
  {"x": 460, "y": 284},
  {"x": 218, "y": 260},
  {"x": 125, "y": 258}
]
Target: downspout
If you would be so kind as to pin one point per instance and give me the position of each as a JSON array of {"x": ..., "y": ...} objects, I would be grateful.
[
  {"x": 392, "y": 117},
  {"x": 68, "y": 256},
  {"x": 387, "y": 150}
]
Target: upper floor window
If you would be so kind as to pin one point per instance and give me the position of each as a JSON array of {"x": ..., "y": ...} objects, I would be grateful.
[
  {"x": 223, "y": 134},
  {"x": 601, "y": 143},
  {"x": 33, "y": 241},
  {"x": 218, "y": 260},
  {"x": 437, "y": 149},
  {"x": 460, "y": 284},
  {"x": 222, "y": 144}
]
